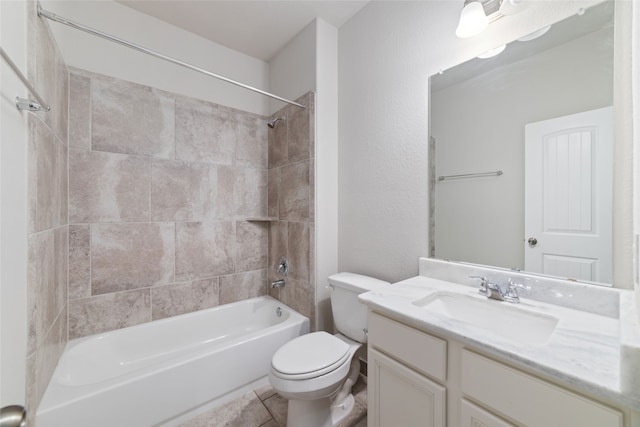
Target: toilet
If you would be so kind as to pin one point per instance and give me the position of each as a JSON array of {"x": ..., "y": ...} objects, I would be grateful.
[{"x": 316, "y": 371}]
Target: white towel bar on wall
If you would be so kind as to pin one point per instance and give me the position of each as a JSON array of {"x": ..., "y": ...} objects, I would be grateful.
[{"x": 469, "y": 175}]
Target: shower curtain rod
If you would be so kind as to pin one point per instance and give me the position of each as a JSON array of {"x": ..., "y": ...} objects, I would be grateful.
[
  {"x": 22, "y": 103},
  {"x": 61, "y": 20}
]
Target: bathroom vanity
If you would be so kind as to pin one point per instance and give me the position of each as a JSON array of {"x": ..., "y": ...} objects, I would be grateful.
[{"x": 440, "y": 354}]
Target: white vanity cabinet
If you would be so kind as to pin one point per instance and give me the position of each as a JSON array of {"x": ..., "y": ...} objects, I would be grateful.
[
  {"x": 402, "y": 396},
  {"x": 474, "y": 416},
  {"x": 410, "y": 386},
  {"x": 405, "y": 388}
]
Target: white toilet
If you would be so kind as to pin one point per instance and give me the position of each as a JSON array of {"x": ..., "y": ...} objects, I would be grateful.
[{"x": 316, "y": 371}]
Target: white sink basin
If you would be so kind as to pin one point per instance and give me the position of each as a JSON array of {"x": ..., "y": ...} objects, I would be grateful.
[{"x": 502, "y": 318}]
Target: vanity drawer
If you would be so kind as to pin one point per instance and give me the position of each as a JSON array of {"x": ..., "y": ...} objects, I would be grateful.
[
  {"x": 417, "y": 349},
  {"x": 531, "y": 401},
  {"x": 474, "y": 416}
]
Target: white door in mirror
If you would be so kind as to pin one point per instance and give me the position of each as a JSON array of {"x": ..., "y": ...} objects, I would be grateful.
[{"x": 568, "y": 196}]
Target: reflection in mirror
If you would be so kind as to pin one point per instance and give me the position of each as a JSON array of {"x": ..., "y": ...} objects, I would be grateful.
[{"x": 535, "y": 123}]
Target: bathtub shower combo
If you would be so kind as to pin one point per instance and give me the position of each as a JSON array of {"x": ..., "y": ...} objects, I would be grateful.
[{"x": 162, "y": 372}]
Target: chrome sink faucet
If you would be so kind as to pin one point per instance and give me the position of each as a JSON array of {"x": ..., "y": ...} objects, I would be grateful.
[{"x": 494, "y": 291}]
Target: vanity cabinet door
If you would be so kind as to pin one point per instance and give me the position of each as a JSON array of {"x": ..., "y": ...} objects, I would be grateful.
[
  {"x": 531, "y": 401},
  {"x": 400, "y": 396},
  {"x": 474, "y": 416}
]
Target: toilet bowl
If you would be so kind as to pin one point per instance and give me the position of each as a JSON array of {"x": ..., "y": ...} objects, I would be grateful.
[{"x": 316, "y": 371}]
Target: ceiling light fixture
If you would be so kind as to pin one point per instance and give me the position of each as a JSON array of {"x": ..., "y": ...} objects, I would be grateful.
[
  {"x": 477, "y": 14},
  {"x": 511, "y": 7},
  {"x": 535, "y": 34},
  {"x": 493, "y": 52},
  {"x": 473, "y": 19}
]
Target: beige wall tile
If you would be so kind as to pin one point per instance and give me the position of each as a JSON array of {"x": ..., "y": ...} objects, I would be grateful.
[
  {"x": 250, "y": 193},
  {"x": 241, "y": 286},
  {"x": 226, "y": 192},
  {"x": 183, "y": 191},
  {"x": 242, "y": 192},
  {"x": 291, "y": 184},
  {"x": 48, "y": 179},
  {"x": 252, "y": 245},
  {"x": 299, "y": 135},
  {"x": 48, "y": 72},
  {"x": 131, "y": 119},
  {"x": 204, "y": 249},
  {"x": 79, "y": 111},
  {"x": 180, "y": 298},
  {"x": 103, "y": 313},
  {"x": 205, "y": 132},
  {"x": 49, "y": 353},
  {"x": 32, "y": 172},
  {"x": 273, "y": 193},
  {"x": 299, "y": 251},
  {"x": 294, "y": 192},
  {"x": 278, "y": 246},
  {"x": 106, "y": 187},
  {"x": 310, "y": 102},
  {"x": 131, "y": 256},
  {"x": 277, "y": 138},
  {"x": 46, "y": 282},
  {"x": 79, "y": 261},
  {"x": 252, "y": 140},
  {"x": 47, "y": 167},
  {"x": 32, "y": 398},
  {"x": 303, "y": 298},
  {"x": 312, "y": 190},
  {"x": 312, "y": 256}
]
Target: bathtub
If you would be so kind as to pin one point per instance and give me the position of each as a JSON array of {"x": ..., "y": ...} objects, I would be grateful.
[{"x": 156, "y": 372}]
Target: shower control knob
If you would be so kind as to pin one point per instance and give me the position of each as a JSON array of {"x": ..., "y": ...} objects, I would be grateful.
[{"x": 532, "y": 241}]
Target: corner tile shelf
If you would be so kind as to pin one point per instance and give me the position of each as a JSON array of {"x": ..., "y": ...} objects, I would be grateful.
[{"x": 262, "y": 219}]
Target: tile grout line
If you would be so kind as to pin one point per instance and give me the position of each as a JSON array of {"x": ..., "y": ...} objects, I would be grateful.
[{"x": 273, "y": 418}]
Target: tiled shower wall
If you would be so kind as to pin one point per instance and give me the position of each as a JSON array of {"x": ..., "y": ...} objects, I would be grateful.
[
  {"x": 48, "y": 224},
  {"x": 291, "y": 203},
  {"x": 160, "y": 190}
]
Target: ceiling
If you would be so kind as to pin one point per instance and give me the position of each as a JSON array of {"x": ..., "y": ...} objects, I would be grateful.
[{"x": 258, "y": 28}]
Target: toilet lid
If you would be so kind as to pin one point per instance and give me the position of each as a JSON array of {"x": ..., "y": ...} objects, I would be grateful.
[{"x": 310, "y": 355}]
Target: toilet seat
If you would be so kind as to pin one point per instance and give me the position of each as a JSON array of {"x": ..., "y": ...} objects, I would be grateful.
[{"x": 310, "y": 356}]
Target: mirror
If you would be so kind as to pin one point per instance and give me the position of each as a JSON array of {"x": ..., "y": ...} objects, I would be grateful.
[{"x": 525, "y": 122}]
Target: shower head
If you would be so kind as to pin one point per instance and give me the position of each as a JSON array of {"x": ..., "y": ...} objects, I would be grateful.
[{"x": 272, "y": 123}]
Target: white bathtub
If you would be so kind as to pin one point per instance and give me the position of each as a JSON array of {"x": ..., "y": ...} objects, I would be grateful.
[{"x": 153, "y": 373}]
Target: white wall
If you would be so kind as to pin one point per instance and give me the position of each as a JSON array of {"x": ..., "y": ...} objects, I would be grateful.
[
  {"x": 386, "y": 54},
  {"x": 482, "y": 220},
  {"x": 623, "y": 179},
  {"x": 101, "y": 56},
  {"x": 13, "y": 208},
  {"x": 292, "y": 71},
  {"x": 635, "y": 71},
  {"x": 326, "y": 176}
]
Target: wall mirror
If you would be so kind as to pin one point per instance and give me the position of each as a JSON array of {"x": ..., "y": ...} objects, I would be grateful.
[{"x": 522, "y": 143}]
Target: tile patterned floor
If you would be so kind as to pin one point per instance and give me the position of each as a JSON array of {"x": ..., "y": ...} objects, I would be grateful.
[{"x": 263, "y": 407}]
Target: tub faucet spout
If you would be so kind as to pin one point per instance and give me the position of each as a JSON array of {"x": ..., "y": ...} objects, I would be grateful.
[{"x": 277, "y": 284}]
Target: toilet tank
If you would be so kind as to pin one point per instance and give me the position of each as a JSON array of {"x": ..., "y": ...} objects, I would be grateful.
[{"x": 349, "y": 314}]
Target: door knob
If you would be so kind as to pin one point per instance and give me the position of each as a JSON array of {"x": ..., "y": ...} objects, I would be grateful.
[
  {"x": 13, "y": 416},
  {"x": 532, "y": 241}
]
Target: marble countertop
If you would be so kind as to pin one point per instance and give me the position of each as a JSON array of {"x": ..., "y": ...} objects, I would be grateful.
[{"x": 587, "y": 351}]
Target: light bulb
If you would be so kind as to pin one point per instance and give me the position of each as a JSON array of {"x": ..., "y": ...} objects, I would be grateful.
[{"x": 472, "y": 20}]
